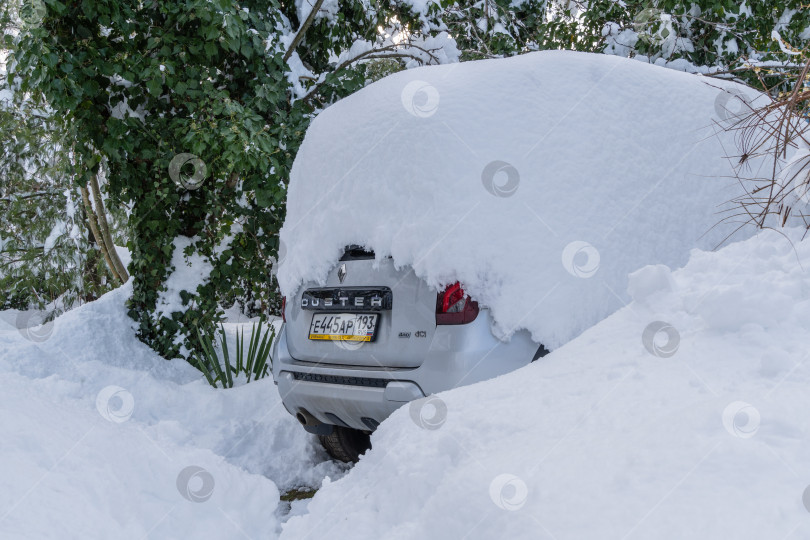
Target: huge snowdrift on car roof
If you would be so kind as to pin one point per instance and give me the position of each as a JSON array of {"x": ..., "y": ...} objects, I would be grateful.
[{"x": 538, "y": 181}]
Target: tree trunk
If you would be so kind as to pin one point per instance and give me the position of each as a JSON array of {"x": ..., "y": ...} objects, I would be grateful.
[
  {"x": 90, "y": 279},
  {"x": 92, "y": 220},
  {"x": 105, "y": 231}
]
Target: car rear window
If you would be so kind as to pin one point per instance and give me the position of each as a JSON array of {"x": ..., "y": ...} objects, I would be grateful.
[{"x": 356, "y": 253}]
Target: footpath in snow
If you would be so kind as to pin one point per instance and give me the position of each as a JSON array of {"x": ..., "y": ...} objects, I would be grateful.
[{"x": 104, "y": 439}]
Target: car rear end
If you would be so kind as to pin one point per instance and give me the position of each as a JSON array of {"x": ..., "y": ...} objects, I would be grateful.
[{"x": 353, "y": 350}]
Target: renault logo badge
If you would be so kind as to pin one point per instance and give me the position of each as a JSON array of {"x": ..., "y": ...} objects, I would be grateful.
[{"x": 342, "y": 272}]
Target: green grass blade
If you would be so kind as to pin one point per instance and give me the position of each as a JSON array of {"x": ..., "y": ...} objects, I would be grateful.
[
  {"x": 261, "y": 352},
  {"x": 260, "y": 360},
  {"x": 201, "y": 366},
  {"x": 264, "y": 353},
  {"x": 251, "y": 357},
  {"x": 254, "y": 344},
  {"x": 210, "y": 357},
  {"x": 240, "y": 349},
  {"x": 215, "y": 361},
  {"x": 225, "y": 355}
]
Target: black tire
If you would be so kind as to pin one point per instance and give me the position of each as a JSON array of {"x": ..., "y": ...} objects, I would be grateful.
[
  {"x": 346, "y": 444},
  {"x": 541, "y": 352}
]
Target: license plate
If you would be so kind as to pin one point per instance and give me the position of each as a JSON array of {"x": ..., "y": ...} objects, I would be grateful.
[{"x": 343, "y": 326}]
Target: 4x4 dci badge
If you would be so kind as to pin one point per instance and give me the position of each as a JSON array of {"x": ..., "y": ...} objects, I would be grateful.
[
  {"x": 342, "y": 272},
  {"x": 418, "y": 333}
]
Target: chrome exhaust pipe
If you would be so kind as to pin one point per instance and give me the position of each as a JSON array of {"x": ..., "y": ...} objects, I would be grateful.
[{"x": 312, "y": 424}]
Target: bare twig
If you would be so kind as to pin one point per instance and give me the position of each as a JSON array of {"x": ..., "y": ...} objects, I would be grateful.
[
  {"x": 303, "y": 30},
  {"x": 771, "y": 131},
  {"x": 31, "y": 195}
]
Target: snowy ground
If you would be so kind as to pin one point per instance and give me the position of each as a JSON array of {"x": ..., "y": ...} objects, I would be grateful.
[
  {"x": 697, "y": 431},
  {"x": 99, "y": 434}
]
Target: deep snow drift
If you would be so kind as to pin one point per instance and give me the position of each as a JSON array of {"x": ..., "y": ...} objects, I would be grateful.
[
  {"x": 538, "y": 181},
  {"x": 700, "y": 432},
  {"x": 684, "y": 415},
  {"x": 104, "y": 439}
]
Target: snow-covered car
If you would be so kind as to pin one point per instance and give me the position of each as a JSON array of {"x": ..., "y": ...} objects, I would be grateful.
[
  {"x": 539, "y": 182},
  {"x": 353, "y": 350}
]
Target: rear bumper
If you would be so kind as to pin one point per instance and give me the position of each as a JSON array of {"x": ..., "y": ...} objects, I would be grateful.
[
  {"x": 362, "y": 397},
  {"x": 358, "y": 407}
]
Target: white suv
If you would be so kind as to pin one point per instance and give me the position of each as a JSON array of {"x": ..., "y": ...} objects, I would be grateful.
[{"x": 371, "y": 338}]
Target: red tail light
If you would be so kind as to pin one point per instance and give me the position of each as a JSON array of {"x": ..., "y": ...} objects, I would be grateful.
[
  {"x": 283, "y": 309},
  {"x": 453, "y": 306}
]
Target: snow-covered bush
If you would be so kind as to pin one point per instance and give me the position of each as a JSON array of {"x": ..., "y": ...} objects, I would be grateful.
[
  {"x": 692, "y": 35},
  {"x": 48, "y": 256},
  {"x": 198, "y": 108}
]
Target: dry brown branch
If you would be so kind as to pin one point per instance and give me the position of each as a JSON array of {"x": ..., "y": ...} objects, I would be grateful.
[
  {"x": 303, "y": 29},
  {"x": 773, "y": 132}
]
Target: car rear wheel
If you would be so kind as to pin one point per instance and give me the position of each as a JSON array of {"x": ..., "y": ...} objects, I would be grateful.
[{"x": 346, "y": 444}]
